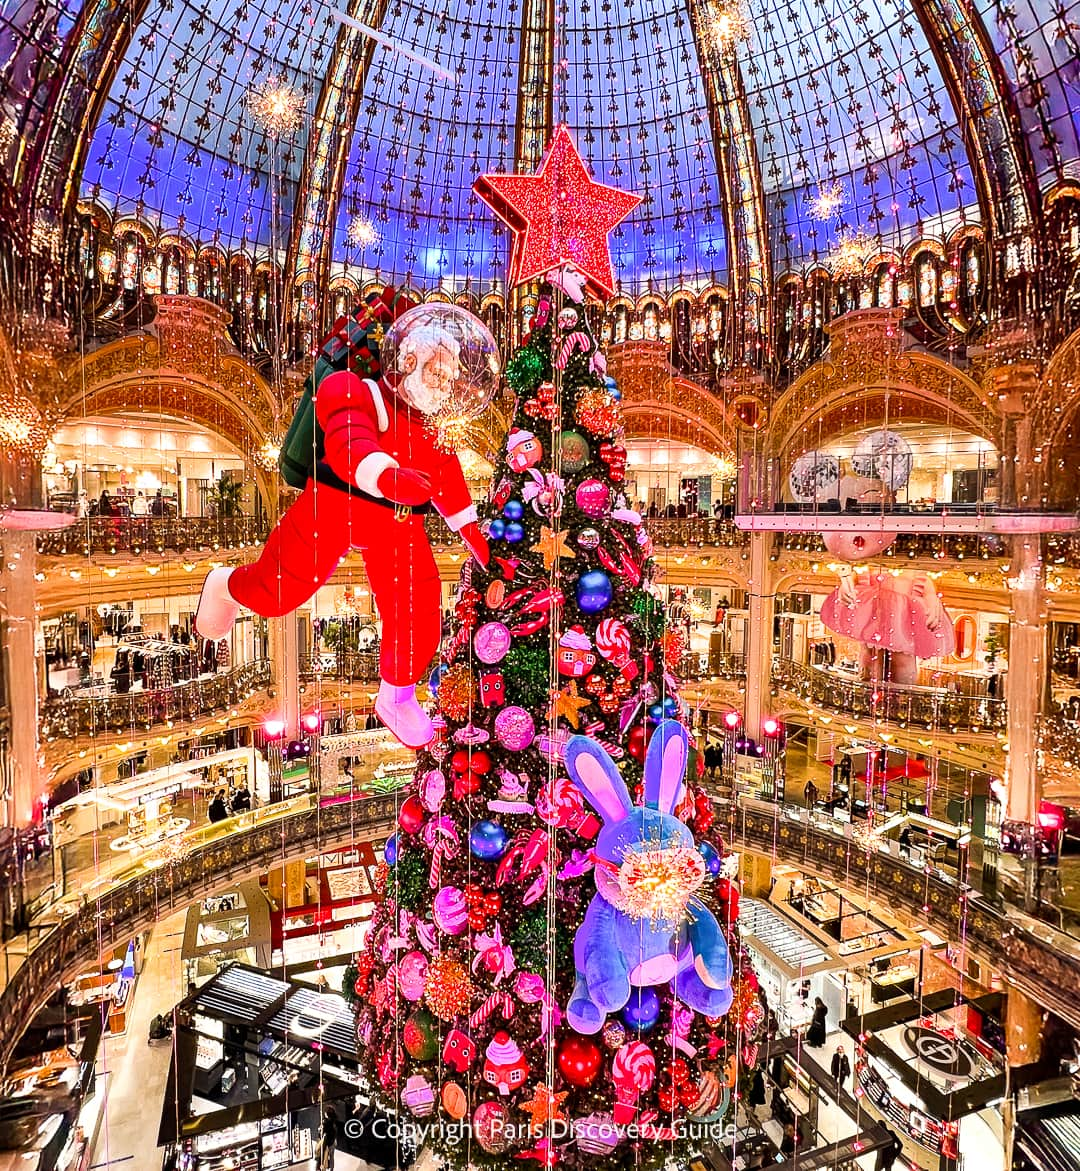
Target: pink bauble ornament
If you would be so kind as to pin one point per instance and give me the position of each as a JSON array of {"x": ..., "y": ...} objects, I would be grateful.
[
  {"x": 491, "y": 642},
  {"x": 514, "y": 729},
  {"x": 489, "y": 1127},
  {"x": 412, "y": 975},
  {"x": 450, "y": 911},
  {"x": 593, "y": 498},
  {"x": 432, "y": 790}
]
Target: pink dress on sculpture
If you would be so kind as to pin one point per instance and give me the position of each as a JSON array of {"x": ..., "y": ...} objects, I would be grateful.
[{"x": 899, "y": 614}]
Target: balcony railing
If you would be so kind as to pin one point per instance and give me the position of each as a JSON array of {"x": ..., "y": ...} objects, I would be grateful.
[
  {"x": 70, "y": 716},
  {"x": 1060, "y": 737},
  {"x": 151, "y": 534},
  {"x": 352, "y": 666},
  {"x": 891, "y": 702}
]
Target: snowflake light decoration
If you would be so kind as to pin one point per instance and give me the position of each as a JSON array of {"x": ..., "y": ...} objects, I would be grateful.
[
  {"x": 726, "y": 24},
  {"x": 848, "y": 258},
  {"x": 361, "y": 232},
  {"x": 828, "y": 201},
  {"x": 277, "y": 106}
]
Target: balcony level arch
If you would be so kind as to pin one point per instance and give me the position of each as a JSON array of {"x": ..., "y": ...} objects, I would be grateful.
[{"x": 867, "y": 363}]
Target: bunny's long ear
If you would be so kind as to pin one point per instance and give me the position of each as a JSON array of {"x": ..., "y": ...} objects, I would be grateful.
[
  {"x": 595, "y": 774},
  {"x": 665, "y": 763}
]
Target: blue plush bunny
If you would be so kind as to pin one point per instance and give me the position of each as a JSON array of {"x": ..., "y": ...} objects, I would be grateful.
[{"x": 625, "y": 939}]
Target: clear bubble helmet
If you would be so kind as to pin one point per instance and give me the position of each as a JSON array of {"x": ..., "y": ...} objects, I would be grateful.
[{"x": 447, "y": 367}]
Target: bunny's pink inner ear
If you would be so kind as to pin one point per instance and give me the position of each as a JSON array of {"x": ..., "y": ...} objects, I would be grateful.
[
  {"x": 603, "y": 787},
  {"x": 665, "y": 765}
]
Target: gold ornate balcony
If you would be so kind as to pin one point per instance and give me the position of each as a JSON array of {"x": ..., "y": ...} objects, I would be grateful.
[
  {"x": 67, "y": 717},
  {"x": 150, "y": 534}
]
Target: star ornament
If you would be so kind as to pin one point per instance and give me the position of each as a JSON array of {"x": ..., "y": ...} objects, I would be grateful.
[
  {"x": 558, "y": 216},
  {"x": 544, "y": 1107},
  {"x": 566, "y": 703},
  {"x": 552, "y": 546}
]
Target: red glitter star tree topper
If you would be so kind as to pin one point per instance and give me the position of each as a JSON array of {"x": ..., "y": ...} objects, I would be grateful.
[{"x": 558, "y": 216}]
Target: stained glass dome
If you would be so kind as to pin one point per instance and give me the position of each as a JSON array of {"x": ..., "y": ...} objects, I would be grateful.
[{"x": 762, "y": 137}]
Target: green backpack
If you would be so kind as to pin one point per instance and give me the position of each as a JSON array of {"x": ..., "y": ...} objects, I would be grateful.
[{"x": 353, "y": 344}]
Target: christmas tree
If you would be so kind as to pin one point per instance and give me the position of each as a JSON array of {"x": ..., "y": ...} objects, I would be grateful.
[{"x": 553, "y": 971}]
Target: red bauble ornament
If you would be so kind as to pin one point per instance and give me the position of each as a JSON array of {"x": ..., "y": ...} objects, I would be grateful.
[
  {"x": 638, "y": 741},
  {"x": 411, "y": 815},
  {"x": 579, "y": 1060},
  {"x": 558, "y": 216}
]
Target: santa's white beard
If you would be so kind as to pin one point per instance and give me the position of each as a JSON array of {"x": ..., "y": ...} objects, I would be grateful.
[{"x": 419, "y": 396}]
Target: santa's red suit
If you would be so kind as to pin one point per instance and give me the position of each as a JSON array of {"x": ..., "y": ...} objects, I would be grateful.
[{"x": 384, "y": 448}]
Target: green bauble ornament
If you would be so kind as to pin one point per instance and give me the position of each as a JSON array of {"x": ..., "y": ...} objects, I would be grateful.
[
  {"x": 575, "y": 451},
  {"x": 525, "y": 371},
  {"x": 647, "y": 615},
  {"x": 420, "y": 1036}
]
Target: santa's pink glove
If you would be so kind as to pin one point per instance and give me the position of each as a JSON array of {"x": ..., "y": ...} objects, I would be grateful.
[
  {"x": 475, "y": 542},
  {"x": 404, "y": 486}
]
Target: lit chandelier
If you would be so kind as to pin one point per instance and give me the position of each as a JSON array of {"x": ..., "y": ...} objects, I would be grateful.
[
  {"x": 850, "y": 254},
  {"x": 22, "y": 429},
  {"x": 277, "y": 106},
  {"x": 267, "y": 455},
  {"x": 726, "y": 24}
]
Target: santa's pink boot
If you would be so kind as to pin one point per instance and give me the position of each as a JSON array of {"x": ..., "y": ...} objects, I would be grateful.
[
  {"x": 217, "y": 608},
  {"x": 399, "y": 711}
]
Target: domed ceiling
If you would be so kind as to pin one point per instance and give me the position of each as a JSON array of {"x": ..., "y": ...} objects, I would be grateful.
[{"x": 789, "y": 125}]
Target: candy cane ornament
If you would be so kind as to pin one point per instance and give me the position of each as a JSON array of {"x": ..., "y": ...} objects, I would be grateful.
[
  {"x": 497, "y": 1002},
  {"x": 572, "y": 343}
]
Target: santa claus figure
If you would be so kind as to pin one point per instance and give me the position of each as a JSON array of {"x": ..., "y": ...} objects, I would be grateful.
[{"x": 380, "y": 470}]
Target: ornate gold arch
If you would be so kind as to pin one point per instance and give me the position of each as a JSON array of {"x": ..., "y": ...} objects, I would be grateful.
[
  {"x": 866, "y": 361},
  {"x": 659, "y": 404},
  {"x": 186, "y": 368},
  {"x": 1058, "y": 398}
]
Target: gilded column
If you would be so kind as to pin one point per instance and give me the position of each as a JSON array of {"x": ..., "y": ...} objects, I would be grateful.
[
  {"x": 19, "y": 640},
  {"x": 1025, "y": 689},
  {"x": 759, "y": 640}
]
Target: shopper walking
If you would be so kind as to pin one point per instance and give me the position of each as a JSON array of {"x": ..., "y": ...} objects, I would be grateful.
[
  {"x": 328, "y": 1140},
  {"x": 815, "y": 1034},
  {"x": 810, "y": 793},
  {"x": 841, "y": 1069},
  {"x": 889, "y": 1153}
]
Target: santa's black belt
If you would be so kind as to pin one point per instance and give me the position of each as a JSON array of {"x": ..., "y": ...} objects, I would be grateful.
[{"x": 325, "y": 478}]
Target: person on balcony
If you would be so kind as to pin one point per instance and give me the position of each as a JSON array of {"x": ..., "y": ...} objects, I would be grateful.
[
  {"x": 139, "y": 506},
  {"x": 218, "y": 810}
]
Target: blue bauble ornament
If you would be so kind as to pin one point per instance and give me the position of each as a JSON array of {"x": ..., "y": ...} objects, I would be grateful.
[
  {"x": 656, "y": 712},
  {"x": 642, "y": 1010},
  {"x": 497, "y": 529},
  {"x": 712, "y": 858},
  {"x": 436, "y": 677},
  {"x": 514, "y": 533},
  {"x": 594, "y": 591},
  {"x": 390, "y": 850},
  {"x": 488, "y": 840},
  {"x": 671, "y": 707},
  {"x": 513, "y": 510}
]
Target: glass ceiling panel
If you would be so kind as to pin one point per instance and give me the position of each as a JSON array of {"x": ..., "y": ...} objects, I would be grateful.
[
  {"x": 848, "y": 92},
  {"x": 1038, "y": 43}
]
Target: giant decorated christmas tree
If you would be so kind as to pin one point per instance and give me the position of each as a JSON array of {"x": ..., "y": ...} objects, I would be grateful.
[{"x": 553, "y": 972}]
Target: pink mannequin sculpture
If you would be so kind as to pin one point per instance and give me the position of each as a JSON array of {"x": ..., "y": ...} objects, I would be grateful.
[{"x": 898, "y": 613}]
